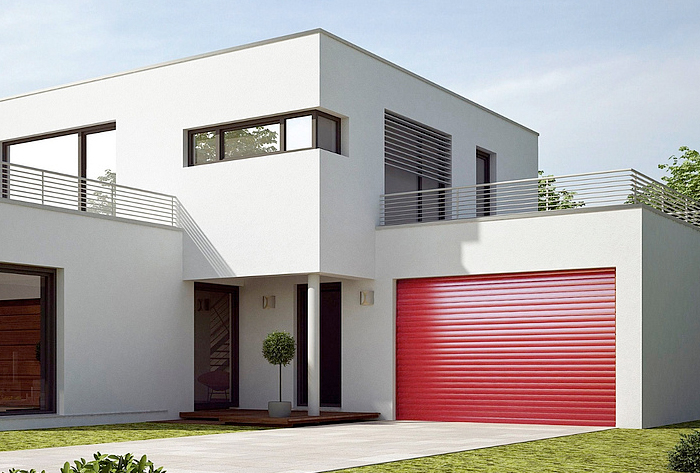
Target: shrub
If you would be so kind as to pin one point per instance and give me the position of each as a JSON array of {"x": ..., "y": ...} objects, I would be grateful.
[
  {"x": 106, "y": 464},
  {"x": 685, "y": 456},
  {"x": 278, "y": 348}
]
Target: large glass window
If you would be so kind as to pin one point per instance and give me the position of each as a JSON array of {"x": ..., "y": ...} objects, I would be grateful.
[
  {"x": 89, "y": 152},
  {"x": 27, "y": 340},
  {"x": 80, "y": 154},
  {"x": 266, "y": 136},
  {"x": 416, "y": 158}
]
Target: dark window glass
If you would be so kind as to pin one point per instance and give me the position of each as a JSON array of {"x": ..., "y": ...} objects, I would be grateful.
[
  {"x": 251, "y": 141},
  {"x": 205, "y": 147},
  {"x": 327, "y": 134},
  {"x": 271, "y": 135},
  {"x": 483, "y": 176},
  {"x": 27, "y": 340}
]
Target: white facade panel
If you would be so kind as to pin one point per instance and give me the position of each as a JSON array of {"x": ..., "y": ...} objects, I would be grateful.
[
  {"x": 124, "y": 315},
  {"x": 559, "y": 241},
  {"x": 671, "y": 326}
]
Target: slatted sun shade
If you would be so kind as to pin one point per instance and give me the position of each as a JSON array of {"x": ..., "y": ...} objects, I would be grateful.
[
  {"x": 536, "y": 348},
  {"x": 417, "y": 148}
]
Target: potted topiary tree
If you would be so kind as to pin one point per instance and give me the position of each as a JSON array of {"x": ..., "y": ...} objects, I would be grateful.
[{"x": 278, "y": 348}]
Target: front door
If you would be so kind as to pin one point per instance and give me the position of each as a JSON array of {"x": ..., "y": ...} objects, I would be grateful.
[
  {"x": 215, "y": 346},
  {"x": 330, "y": 345}
]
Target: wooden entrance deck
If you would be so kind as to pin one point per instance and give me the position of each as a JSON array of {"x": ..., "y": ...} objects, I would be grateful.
[{"x": 260, "y": 417}]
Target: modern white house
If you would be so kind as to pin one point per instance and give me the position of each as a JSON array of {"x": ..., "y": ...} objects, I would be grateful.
[{"x": 155, "y": 225}]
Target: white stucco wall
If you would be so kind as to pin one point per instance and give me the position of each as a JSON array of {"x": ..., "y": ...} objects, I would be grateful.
[
  {"x": 361, "y": 86},
  {"x": 671, "y": 328},
  {"x": 259, "y": 214},
  {"x": 124, "y": 315},
  {"x": 291, "y": 213},
  {"x": 557, "y": 241}
]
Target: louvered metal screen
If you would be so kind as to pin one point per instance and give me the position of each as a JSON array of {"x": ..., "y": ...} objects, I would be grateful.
[
  {"x": 417, "y": 148},
  {"x": 518, "y": 348}
]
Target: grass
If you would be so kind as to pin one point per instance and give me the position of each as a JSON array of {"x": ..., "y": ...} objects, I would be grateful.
[
  {"x": 609, "y": 451},
  {"x": 66, "y": 436}
]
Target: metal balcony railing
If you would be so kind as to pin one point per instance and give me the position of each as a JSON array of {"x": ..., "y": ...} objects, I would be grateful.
[
  {"x": 544, "y": 193},
  {"x": 38, "y": 186}
]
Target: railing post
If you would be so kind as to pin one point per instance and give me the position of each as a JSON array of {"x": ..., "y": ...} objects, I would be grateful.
[
  {"x": 43, "y": 186},
  {"x": 456, "y": 193},
  {"x": 113, "y": 189}
]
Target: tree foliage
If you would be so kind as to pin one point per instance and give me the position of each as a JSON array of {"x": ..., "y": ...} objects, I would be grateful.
[
  {"x": 684, "y": 173},
  {"x": 279, "y": 348},
  {"x": 237, "y": 143},
  {"x": 551, "y": 198},
  {"x": 685, "y": 456},
  {"x": 101, "y": 200}
]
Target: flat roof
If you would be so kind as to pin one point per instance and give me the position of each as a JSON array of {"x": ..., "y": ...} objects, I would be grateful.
[{"x": 278, "y": 39}]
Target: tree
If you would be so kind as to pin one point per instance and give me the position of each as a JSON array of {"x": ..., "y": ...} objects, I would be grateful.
[
  {"x": 237, "y": 143},
  {"x": 551, "y": 198},
  {"x": 278, "y": 349},
  {"x": 101, "y": 200},
  {"x": 684, "y": 173}
]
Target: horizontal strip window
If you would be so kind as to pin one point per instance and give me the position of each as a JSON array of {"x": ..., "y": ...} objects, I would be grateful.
[{"x": 304, "y": 130}]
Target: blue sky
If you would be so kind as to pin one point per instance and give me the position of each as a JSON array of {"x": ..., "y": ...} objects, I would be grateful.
[{"x": 607, "y": 84}]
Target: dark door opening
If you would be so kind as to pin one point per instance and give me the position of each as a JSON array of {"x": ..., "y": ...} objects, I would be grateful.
[
  {"x": 330, "y": 345},
  {"x": 215, "y": 346}
]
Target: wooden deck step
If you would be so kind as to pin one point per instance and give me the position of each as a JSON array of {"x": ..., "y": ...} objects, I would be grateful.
[{"x": 261, "y": 418}]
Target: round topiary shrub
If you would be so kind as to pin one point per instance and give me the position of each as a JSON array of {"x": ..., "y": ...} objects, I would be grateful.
[
  {"x": 685, "y": 456},
  {"x": 279, "y": 348}
]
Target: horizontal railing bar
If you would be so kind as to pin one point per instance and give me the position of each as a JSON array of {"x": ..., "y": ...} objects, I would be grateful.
[
  {"x": 38, "y": 186},
  {"x": 543, "y": 193}
]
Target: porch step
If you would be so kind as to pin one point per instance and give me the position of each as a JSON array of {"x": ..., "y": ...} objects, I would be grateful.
[{"x": 259, "y": 417}]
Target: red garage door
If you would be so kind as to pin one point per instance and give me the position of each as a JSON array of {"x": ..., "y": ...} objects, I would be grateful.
[{"x": 536, "y": 348}]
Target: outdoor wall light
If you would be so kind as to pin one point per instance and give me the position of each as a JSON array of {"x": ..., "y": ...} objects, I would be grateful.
[
  {"x": 366, "y": 297},
  {"x": 268, "y": 302}
]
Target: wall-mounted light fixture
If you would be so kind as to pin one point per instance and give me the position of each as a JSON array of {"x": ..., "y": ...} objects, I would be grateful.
[
  {"x": 202, "y": 305},
  {"x": 268, "y": 302},
  {"x": 366, "y": 297}
]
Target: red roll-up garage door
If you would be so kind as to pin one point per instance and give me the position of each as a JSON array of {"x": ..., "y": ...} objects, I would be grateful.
[{"x": 536, "y": 348}]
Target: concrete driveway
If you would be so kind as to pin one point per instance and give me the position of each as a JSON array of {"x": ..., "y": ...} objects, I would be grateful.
[{"x": 301, "y": 449}]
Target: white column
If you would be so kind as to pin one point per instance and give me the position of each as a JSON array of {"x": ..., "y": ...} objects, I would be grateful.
[{"x": 314, "y": 347}]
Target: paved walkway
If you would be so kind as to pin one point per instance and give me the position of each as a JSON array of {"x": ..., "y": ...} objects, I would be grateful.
[{"x": 301, "y": 449}]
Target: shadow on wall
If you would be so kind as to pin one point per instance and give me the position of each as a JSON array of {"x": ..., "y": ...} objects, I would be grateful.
[{"x": 203, "y": 256}]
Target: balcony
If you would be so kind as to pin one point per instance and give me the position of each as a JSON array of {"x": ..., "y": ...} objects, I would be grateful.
[
  {"x": 541, "y": 194},
  {"x": 37, "y": 186}
]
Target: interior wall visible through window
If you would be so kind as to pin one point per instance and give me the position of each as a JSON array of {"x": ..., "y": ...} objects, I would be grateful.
[
  {"x": 27, "y": 340},
  {"x": 89, "y": 152}
]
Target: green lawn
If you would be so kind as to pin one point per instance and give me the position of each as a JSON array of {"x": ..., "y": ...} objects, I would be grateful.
[
  {"x": 615, "y": 450},
  {"x": 65, "y": 436}
]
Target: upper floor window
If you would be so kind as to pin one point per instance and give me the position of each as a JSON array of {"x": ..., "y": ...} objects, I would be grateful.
[
  {"x": 304, "y": 130},
  {"x": 89, "y": 152},
  {"x": 416, "y": 158}
]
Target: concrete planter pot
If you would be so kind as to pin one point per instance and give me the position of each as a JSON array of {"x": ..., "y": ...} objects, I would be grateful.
[{"x": 279, "y": 408}]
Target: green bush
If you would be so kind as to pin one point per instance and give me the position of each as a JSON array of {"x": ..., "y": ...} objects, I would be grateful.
[
  {"x": 106, "y": 464},
  {"x": 278, "y": 348},
  {"x": 685, "y": 456}
]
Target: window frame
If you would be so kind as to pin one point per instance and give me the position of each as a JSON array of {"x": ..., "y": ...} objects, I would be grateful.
[
  {"x": 48, "y": 334},
  {"x": 220, "y": 130},
  {"x": 81, "y": 132},
  {"x": 484, "y": 198}
]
